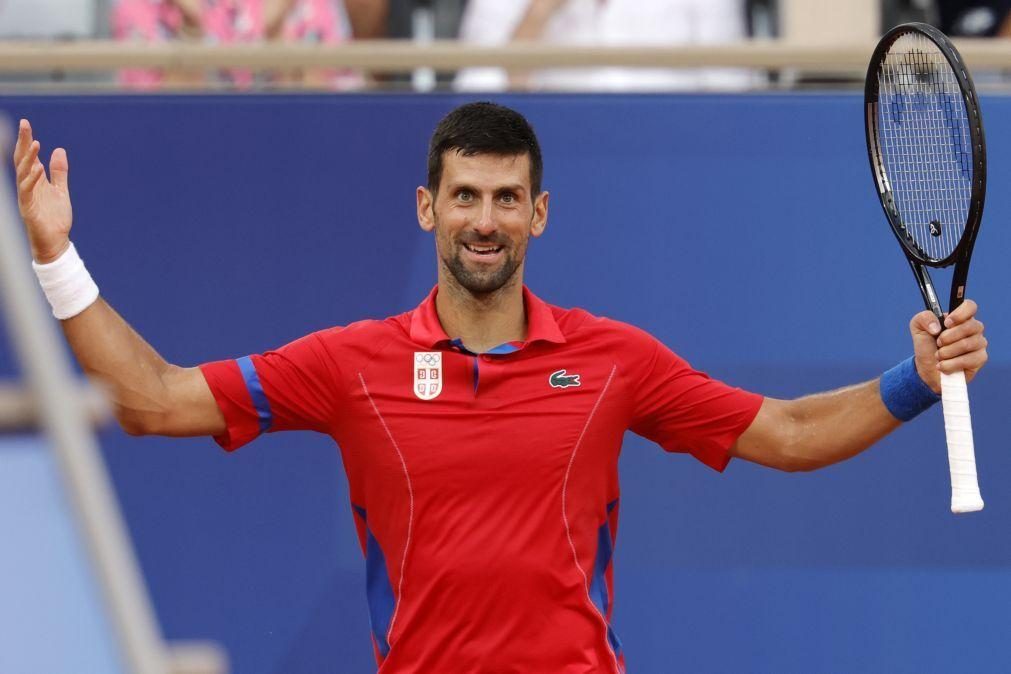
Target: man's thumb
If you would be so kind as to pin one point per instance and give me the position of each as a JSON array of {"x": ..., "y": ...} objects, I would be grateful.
[
  {"x": 59, "y": 168},
  {"x": 925, "y": 322}
]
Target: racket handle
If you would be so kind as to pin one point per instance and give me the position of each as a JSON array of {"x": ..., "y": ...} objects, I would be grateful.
[{"x": 965, "y": 497}]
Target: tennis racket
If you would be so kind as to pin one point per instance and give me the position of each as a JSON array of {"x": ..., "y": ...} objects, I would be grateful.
[{"x": 928, "y": 156}]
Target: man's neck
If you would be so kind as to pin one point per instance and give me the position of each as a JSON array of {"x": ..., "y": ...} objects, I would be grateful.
[{"x": 482, "y": 322}]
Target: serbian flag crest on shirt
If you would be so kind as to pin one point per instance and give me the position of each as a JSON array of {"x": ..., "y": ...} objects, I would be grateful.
[{"x": 427, "y": 374}]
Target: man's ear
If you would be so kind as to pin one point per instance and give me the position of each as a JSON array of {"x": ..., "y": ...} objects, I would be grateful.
[
  {"x": 426, "y": 219},
  {"x": 540, "y": 221}
]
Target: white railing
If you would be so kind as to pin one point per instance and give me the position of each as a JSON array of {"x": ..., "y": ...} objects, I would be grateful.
[{"x": 395, "y": 55}]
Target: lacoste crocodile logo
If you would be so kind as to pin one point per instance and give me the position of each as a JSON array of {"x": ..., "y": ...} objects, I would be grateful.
[{"x": 560, "y": 379}]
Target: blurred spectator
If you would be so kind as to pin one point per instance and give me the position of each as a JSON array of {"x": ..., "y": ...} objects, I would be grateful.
[
  {"x": 368, "y": 18},
  {"x": 610, "y": 23},
  {"x": 239, "y": 21},
  {"x": 975, "y": 18},
  {"x": 445, "y": 18},
  {"x": 423, "y": 21}
]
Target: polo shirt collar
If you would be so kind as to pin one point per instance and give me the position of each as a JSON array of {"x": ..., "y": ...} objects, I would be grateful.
[{"x": 541, "y": 324}]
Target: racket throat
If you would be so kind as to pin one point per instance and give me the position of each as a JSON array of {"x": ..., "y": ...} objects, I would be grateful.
[{"x": 927, "y": 290}]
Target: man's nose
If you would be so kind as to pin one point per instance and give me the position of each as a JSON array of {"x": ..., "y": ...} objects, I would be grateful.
[{"x": 485, "y": 224}]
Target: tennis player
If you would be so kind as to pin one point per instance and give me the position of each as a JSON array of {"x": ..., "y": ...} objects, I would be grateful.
[{"x": 480, "y": 431}]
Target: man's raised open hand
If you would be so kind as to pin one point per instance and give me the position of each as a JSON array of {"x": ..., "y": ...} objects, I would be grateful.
[
  {"x": 44, "y": 202},
  {"x": 149, "y": 395}
]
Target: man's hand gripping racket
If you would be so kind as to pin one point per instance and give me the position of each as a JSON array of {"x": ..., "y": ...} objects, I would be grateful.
[
  {"x": 959, "y": 349},
  {"x": 928, "y": 157}
]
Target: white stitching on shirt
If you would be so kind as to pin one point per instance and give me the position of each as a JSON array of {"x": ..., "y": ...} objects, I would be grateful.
[
  {"x": 410, "y": 520},
  {"x": 565, "y": 518}
]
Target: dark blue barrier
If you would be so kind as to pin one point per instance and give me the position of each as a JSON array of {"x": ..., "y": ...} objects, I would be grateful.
[{"x": 742, "y": 230}]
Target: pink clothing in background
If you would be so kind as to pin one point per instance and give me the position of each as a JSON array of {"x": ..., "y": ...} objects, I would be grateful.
[{"x": 226, "y": 22}]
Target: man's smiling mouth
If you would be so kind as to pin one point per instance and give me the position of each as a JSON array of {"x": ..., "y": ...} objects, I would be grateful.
[{"x": 480, "y": 249}]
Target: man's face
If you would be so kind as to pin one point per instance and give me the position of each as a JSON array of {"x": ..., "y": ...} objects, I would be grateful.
[{"x": 483, "y": 215}]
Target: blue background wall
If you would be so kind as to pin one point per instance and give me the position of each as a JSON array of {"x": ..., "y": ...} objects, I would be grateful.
[{"x": 743, "y": 231}]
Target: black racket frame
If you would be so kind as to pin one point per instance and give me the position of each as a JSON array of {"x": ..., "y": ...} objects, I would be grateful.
[{"x": 918, "y": 259}]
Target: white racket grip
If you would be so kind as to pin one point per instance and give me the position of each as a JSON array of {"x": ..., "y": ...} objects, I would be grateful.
[{"x": 965, "y": 496}]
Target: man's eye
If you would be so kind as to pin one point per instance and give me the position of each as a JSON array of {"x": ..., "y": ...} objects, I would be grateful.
[
  {"x": 464, "y": 195},
  {"x": 508, "y": 197}
]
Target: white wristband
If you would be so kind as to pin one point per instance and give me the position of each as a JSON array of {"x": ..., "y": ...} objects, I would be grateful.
[{"x": 67, "y": 284}]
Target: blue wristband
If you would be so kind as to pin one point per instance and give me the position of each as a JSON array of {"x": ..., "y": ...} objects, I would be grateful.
[{"x": 904, "y": 393}]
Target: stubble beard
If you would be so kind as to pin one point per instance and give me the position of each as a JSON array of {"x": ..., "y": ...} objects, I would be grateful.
[{"x": 481, "y": 283}]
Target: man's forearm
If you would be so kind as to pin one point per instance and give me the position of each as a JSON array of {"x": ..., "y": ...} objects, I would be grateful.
[
  {"x": 108, "y": 349},
  {"x": 834, "y": 426},
  {"x": 817, "y": 430},
  {"x": 827, "y": 428}
]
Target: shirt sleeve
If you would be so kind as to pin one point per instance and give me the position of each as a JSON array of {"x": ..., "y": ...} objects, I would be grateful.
[
  {"x": 296, "y": 387},
  {"x": 684, "y": 410}
]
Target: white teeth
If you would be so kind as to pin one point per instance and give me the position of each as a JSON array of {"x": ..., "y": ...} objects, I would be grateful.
[{"x": 482, "y": 249}]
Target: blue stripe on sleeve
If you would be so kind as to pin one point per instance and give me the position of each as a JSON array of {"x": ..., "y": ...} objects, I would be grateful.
[{"x": 260, "y": 403}]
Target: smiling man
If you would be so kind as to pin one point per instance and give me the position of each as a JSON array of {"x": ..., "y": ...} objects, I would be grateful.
[{"x": 480, "y": 431}]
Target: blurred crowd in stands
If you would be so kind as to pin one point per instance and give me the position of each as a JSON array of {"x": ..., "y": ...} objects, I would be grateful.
[{"x": 479, "y": 22}]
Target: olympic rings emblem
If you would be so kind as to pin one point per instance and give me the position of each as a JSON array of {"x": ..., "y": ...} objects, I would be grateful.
[{"x": 427, "y": 374}]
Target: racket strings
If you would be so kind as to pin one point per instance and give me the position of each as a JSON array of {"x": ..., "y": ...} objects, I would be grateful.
[{"x": 926, "y": 145}]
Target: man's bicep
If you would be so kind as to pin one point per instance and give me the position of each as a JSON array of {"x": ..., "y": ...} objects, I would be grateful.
[
  {"x": 685, "y": 410},
  {"x": 295, "y": 387},
  {"x": 765, "y": 439},
  {"x": 193, "y": 409}
]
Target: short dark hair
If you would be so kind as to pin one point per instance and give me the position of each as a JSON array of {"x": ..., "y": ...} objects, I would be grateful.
[{"x": 484, "y": 128}]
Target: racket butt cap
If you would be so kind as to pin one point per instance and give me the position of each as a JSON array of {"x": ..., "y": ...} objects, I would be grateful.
[{"x": 967, "y": 505}]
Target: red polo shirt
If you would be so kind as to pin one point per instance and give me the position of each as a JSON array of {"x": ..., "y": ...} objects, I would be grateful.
[{"x": 485, "y": 487}]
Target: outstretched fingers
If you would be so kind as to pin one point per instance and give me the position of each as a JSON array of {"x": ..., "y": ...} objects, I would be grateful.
[
  {"x": 24, "y": 140},
  {"x": 27, "y": 184},
  {"x": 29, "y": 160}
]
